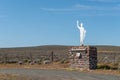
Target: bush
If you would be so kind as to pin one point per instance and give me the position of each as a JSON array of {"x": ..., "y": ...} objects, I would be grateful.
[
  {"x": 62, "y": 61},
  {"x": 12, "y": 61},
  {"x": 106, "y": 67},
  {"x": 25, "y": 60}
]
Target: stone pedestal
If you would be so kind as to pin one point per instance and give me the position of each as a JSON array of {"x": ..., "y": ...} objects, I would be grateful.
[{"x": 83, "y": 57}]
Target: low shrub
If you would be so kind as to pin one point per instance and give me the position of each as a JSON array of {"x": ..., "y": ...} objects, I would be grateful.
[
  {"x": 107, "y": 66},
  {"x": 12, "y": 62},
  {"x": 62, "y": 61}
]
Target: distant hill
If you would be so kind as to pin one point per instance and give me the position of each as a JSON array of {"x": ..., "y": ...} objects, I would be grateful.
[
  {"x": 108, "y": 49},
  {"x": 105, "y": 53},
  {"x": 58, "y": 49},
  {"x": 41, "y": 50}
]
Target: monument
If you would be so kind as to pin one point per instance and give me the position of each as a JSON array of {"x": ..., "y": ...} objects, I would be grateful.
[
  {"x": 82, "y": 32},
  {"x": 83, "y": 57}
]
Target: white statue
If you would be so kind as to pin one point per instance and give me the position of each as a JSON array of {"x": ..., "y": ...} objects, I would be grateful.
[{"x": 82, "y": 32}]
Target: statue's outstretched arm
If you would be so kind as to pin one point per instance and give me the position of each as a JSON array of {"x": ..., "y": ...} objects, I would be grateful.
[{"x": 78, "y": 24}]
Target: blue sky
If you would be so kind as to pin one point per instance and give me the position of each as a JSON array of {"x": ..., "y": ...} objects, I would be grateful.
[{"x": 53, "y": 22}]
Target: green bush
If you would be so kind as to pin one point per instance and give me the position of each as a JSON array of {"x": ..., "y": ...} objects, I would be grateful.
[
  {"x": 25, "y": 61},
  {"x": 62, "y": 61},
  {"x": 106, "y": 67}
]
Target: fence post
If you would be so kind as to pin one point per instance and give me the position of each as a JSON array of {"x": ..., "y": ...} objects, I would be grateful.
[{"x": 52, "y": 56}]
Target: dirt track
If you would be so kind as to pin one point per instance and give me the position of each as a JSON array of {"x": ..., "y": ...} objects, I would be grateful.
[{"x": 37, "y": 74}]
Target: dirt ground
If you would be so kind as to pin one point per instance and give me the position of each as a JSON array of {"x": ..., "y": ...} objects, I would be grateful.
[
  {"x": 57, "y": 66},
  {"x": 39, "y": 74},
  {"x": 54, "y": 71}
]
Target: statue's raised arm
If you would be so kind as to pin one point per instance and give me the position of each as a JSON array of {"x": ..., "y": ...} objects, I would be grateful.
[{"x": 78, "y": 24}]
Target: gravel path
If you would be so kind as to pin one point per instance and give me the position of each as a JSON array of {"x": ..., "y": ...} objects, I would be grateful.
[{"x": 37, "y": 74}]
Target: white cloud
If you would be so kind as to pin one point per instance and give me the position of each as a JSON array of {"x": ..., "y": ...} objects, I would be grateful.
[
  {"x": 57, "y": 9},
  {"x": 79, "y": 7},
  {"x": 91, "y": 10},
  {"x": 99, "y": 14},
  {"x": 105, "y": 1},
  {"x": 76, "y": 7}
]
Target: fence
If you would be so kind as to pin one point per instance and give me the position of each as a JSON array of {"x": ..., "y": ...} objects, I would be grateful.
[{"x": 109, "y": 58}]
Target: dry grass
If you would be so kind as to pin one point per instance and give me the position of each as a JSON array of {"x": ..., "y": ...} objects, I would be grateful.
[
  {"x": 36, "y": 66},
  {"x": 55, "y": 66},
  {"x": 12, "y": 77},
  {"x": 111, "y": 72}
]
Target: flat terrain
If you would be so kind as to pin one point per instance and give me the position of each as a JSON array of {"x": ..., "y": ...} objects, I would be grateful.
[
  {"x": 38, "y": 74},
  {"x": 53, "y": 71},
  {"x": 109, "y": 54}
]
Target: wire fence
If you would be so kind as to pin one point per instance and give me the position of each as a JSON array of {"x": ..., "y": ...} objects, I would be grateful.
[{"x": 109, "y": 58}]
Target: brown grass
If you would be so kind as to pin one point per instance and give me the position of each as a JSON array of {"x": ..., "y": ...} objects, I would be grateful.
[
  {"x": 12, "y": 77},
  {"x": 55, "y": 66},
  {"x": 36, "y": 66},
  {"x": 112, "y": 72}
]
